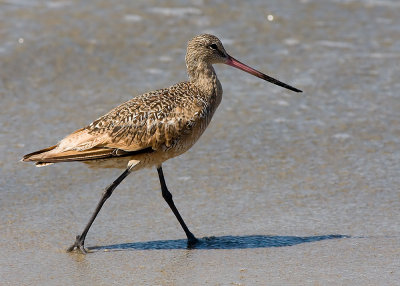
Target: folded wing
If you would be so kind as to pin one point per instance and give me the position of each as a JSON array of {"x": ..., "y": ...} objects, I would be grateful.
[{"x": 143, "y": 124}]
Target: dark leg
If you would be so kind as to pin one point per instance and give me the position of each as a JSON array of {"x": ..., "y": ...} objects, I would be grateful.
[
  {"x": 168, "y": 198},
  {"x": 80, "y": 239}
]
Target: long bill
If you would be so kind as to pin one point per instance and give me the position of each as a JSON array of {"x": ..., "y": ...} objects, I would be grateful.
[{"x": 235, "y": 63}]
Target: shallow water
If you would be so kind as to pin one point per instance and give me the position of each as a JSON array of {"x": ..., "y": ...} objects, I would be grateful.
[{"x": 282, "y": 188}]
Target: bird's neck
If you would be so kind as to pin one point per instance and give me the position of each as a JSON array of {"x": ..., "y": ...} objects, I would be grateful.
[{"x": 204, "y": 77}]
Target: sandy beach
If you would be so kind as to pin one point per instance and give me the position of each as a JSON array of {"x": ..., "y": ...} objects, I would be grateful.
[{"x": 281, "y": 189}]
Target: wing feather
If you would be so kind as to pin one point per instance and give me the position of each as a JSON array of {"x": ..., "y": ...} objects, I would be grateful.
[
  {"x": 153, "y": 120},
  {"x": 143, "y": 124}
]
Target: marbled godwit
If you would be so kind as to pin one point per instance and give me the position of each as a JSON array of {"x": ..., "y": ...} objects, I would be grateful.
[{"x": 151, "y": 128}]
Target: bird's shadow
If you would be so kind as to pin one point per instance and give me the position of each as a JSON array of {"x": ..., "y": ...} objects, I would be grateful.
[{"x": 220, "y": 242}]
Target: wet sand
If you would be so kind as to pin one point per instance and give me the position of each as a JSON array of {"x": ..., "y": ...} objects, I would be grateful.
[{"x": 282, "y": 189}]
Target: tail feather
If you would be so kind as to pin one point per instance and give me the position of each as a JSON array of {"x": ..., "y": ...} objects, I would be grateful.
[
  {"x": 35, "y": 156},
  {"x": 47, "y": 156},
  {"x": 40, "y": 164}
]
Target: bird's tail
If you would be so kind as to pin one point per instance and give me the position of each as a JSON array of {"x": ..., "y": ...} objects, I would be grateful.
[
  {"x": 50, "y": 156},
  {"x": 38, "y": 157}
]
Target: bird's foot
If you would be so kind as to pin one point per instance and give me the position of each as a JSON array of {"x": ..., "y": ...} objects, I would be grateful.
[
  {"x": 192, "y": 241},
  {"x": 78, "y": 245}
]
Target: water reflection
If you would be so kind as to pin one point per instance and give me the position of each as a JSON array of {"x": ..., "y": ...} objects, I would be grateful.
[{"x": 220, "y": 242}]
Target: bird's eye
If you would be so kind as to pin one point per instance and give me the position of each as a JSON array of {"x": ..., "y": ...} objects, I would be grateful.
[{"x": 213, "y": 47}]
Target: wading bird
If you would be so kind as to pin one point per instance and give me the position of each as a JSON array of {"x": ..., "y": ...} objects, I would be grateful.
[{"x": 151, "y": 128}]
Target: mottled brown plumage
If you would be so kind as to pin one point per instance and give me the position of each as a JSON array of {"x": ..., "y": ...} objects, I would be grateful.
[
  {"x": 151, "y": 128},
  {"x": 165, "y": 123}
]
